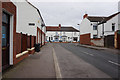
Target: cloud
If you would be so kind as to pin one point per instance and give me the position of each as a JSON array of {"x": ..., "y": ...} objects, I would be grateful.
[
  {"x": 74, "y": 0},
  {"x": 71, "y": 13}
]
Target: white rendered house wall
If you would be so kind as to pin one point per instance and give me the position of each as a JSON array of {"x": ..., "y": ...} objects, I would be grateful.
[
  {"x": 50, "y": 34},
  {"x": 85, "y": 27},
  {"x": 27, "y": 14}
]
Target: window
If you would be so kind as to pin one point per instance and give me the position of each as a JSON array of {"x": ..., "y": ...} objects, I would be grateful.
[
  {"x": 31, "y": 24},
  {"x": 74, "y": 33},
  {"x": 56, "y": 38},
  {"x": 46, "y": 38},
  {"x": 75, "y": 39},
  {"x": 94, "y": 36},
  {"x": 5, "y": 18},
  {"x": 4, "y": 39},
  {"x": 56, "y": 33},
  {"x": 94, "y": 27},
  {"x": 68, "y": 37},
  {"x": 113, "y": 26}
]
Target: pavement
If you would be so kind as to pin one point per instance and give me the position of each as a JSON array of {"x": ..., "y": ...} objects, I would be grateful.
[
  {"x": 56, "y": 61},
  {"x": 39, "y": 65},
  {"x": 99, "y": 48}
]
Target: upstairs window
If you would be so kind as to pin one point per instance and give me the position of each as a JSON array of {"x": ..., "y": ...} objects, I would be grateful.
[
  {"x": 94, "y": 27},
  {"x": 75, "y": 33},
  {"x": 31, "y": 24},
  {"x": 113, "y": 26}
]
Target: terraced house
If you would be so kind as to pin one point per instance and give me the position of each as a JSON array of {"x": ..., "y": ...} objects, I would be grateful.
[
  {"x": 21, "y": 26},
  {"x": 62, "y": 34},
  {"x": 100, "y": 30}
]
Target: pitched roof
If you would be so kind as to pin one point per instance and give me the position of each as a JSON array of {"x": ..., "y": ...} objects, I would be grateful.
[
  {"x": 101, "y": 19},
  {"x": 57, "y": 28},
  {"x": 52, "y": 28},
  {"x": 37, "y": 10},
  {"x": 69, "y": 29},
  {"x": 95, "y": 18}
]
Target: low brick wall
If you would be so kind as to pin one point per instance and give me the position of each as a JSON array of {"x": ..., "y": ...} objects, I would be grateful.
[
  {"x": 85, "y": 39},
  {"x": 97, "y": 42}
]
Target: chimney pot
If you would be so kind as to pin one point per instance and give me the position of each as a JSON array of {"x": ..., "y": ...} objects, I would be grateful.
[
  {"x": 85, "y": 16},
  {"x": 59, "y": 25}
]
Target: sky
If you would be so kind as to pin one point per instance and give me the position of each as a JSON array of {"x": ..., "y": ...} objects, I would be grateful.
[{"x": 70, "y": 12}]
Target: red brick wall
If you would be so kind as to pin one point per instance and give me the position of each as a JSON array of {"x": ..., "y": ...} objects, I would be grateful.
[
  {"x": 28, "y": 41},
  {"x": 38, "y": 30},
  {"x": 18, "y": 45},
  {"x": 85, "y": 39},
  {"x": 0, "y": 36},
  {"x": 11, "y": 8},
  {"x": 32, "y": 41}
]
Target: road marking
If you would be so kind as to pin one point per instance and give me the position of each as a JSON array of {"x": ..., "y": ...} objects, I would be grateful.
[
  {"x": 114, "y": 63},
  {"x": 88, "y": 53},
  {"x": 57, "y": 68}
]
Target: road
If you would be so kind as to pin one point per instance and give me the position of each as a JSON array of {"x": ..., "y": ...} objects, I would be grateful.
[
  {"x": 103, "y": 60},
  {"x": 61, "y": 60}
]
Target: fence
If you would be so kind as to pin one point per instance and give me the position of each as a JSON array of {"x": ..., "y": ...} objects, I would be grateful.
[{"x": 24, "y": 41}]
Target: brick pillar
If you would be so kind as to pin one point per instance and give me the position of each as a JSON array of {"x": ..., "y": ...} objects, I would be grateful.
[
  {"x": 116, "y": 40},
  {"x": 0, "y": 39}
]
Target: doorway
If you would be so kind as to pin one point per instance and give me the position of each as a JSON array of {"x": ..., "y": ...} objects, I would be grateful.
[
  {"x": 5, "y": 40},
  {"x": 75, "y": 39}
]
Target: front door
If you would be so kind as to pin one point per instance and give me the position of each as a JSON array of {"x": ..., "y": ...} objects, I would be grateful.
[{"x": 5, "y": 40}]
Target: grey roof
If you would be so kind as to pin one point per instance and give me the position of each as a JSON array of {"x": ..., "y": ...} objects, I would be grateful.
[
  {"x": 56, "y": 36},
  {"x": 95, "y": 18},
  {"x": 101, "y": 19},
  {"x": 69, "y": 29}
]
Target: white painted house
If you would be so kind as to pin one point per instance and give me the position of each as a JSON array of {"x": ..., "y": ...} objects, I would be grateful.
[
  {"x": 62, "y": 34},
  {"x": 28, "y": 18},
  {"x": 99, "y": 26}
]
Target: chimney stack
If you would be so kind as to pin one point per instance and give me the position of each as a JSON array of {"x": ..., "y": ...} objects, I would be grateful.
[
  {"x": 85, "y": 16},
  {"x": 59, "y": 25}
]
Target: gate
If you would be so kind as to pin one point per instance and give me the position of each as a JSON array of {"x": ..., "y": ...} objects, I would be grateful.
[{"x": 109, "y": 41}]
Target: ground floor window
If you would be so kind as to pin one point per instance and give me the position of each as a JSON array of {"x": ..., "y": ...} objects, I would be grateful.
[
  {"x": 75, "y": 39},
  {"x": 95, "y": 36},
  {"x": 56, "y": 39}
]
